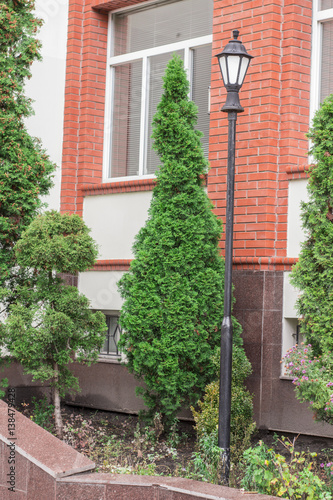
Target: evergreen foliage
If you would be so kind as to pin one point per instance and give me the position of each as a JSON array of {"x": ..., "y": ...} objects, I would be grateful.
[
  {"x": 241, "y": 417},
  {"x": 25, "y": 169},
  {"x": 50, "y": 324},
  {"x": 313, "y": 274},
  {"x": 173, "y": 292}
]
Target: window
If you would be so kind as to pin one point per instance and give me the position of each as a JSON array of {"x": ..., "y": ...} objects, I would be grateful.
[
  {"x": 141, "y": 42},
  {"x": 322, "y": 52},
  {"x": 110, "y": 347}
]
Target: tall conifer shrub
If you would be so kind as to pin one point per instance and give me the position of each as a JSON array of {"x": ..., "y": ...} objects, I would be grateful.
[
  {"x": 173, "y": 292},
  {"x": 25, "y": 169},
  {"x": 313, "y": 274}
]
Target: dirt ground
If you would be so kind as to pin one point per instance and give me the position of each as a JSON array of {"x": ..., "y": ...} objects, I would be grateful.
[
  {"x": 126, "y": 446},
  {"x": 130, "y": 445}
]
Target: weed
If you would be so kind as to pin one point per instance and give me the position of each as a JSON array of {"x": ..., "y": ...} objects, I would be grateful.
[
  {"x": 40, "y": 412},
  {"x": 292, "y": 477}
]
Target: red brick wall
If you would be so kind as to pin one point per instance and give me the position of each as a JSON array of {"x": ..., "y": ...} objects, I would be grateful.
[
  {"x": 84, "y": 102},
  {"x": 85, "y": 98},
  {"x": 271, "y": 144}
]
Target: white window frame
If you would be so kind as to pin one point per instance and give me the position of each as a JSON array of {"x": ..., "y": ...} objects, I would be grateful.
[
  {"x": 111, "y": 356},
  {"x": 144, "y": 55},
  {"x": 318, "y": 18}
]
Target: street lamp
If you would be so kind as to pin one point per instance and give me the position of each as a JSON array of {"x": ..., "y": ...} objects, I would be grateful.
[{"x": 234, "y": 62}]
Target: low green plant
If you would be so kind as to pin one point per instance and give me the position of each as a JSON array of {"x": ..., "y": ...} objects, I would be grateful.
[
  {"x": 327, "y": 470},
  {"x": 206, "y": 417},
  {"x": 42, "y": 413},
  {"x": 3, "y": 385},
  {"x": 274, "y": 474},
  {"x": 143, "y": 439},
  {"x": 207, "y": 460},
  {"x": 174, "y": 439},
  {"x": 145, "y": 469},
  {"x": 79, "y": 433},
  {"x": 313, "y": 379}
]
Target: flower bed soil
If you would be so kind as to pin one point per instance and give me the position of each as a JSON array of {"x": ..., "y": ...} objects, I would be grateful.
[{"x": 120, "y": 443}]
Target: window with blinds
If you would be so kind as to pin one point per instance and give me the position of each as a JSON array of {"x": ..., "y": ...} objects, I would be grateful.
[
  {"x": 162, "y": 24},
  {"x": 325, "y": 4},
  {"x": 143, "y": 40},
  {"x": 326, "y": 87}
]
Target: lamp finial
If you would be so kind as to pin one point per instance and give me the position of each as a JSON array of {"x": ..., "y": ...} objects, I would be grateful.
[{"x": 235, "y": 33}]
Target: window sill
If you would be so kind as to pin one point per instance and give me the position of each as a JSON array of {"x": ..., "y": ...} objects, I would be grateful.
[
  {"x": 116, "y": 360},
  {"x": 285, "y": 377},
  {"x": 122, "y": 185}
]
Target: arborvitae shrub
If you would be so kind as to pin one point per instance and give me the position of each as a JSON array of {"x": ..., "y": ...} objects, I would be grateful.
[
  {"x": 173, "y": 292},
  {"x": 25, "y": 169},
  {"x": 313, "y": 274}
]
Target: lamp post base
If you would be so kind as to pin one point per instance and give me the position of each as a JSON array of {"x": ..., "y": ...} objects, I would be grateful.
[{"x": 225, "y": 466}]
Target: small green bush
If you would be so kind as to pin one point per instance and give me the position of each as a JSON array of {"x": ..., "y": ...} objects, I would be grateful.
[
  {"x": 3, "y": 385},
  {"x": 42, "y": 413},
  {"x": 271, "y": 473},
  {"x": 206, "y": 417}
]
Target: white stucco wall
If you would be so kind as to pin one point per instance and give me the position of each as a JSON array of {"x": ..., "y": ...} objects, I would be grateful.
[
  {"x": 47, "y": 86},
  {"x": 295, "y": 233},
  {"x": 290, "y": 295},
  {"x": 297, "y": 193},
  {"x": 115, "y": 219},
  {"x": 100, "y": 288}
]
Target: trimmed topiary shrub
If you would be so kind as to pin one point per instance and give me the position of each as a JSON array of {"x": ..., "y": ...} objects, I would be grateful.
[{"x": 173, "y": 292}]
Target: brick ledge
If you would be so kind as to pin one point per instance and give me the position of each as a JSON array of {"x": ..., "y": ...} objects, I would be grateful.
[
  {"x": 259, "y": 263},
  {"x": 119, "y": 187}
]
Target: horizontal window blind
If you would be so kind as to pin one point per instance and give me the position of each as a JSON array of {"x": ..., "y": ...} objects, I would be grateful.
[
  {"x": 158, "y": 65},
  {"x": 325, "y": 4},
  {"x": 161, "y": 25},
  {"x": 136, "y": 80},
  {"x": 327, "y": 61},
  {"x": 125, "y": 140},
  {"x": 200, "y": 90}
]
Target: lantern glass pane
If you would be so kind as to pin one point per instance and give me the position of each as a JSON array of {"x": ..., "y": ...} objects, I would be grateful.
[
  {"x": 243, "y": 69},
  {"x": 224, "y": 71},
  {"x": 233, "y": 64}
]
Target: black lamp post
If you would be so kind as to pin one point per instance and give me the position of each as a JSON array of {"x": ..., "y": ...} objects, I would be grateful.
[{"x": 234, "y": 61}]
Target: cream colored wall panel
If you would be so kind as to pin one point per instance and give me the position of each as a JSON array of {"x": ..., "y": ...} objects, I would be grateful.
[
  {"x": 297, "y": 194},
  {"x": 290, "y": 295},
  {"x": 47, "y": 86},
  {"x": 115, "y": 219},
  {"x": 100, "y": 287},
  {"x": 290, "y": 317}
]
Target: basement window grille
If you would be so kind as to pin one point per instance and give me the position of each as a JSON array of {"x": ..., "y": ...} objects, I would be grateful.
[{"x": 110, "y": 347}]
